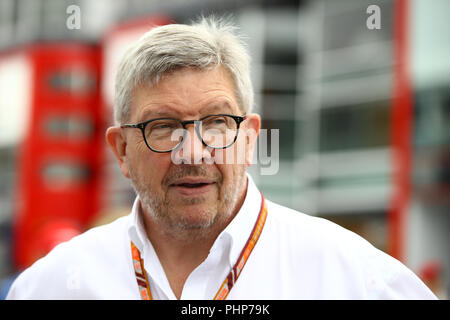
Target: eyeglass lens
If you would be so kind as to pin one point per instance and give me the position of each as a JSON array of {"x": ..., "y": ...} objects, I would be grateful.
[{"x": 217, "y": 131}]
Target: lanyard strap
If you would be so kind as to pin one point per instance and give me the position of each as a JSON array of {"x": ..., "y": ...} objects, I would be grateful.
[
  {"x": 230, "y": 280},
  {"x": 141, "y": 275}
]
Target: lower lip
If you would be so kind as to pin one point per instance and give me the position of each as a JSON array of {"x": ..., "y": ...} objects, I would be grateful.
[{"x": 197, "y": 191}]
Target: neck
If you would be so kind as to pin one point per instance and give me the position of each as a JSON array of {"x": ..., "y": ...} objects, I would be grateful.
[{"x": 179, "y": 256}]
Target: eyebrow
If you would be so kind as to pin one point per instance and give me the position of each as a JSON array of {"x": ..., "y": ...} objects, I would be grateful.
[
  {"x": 162, "y": 112},
  {"x": 169, "y": 112}
]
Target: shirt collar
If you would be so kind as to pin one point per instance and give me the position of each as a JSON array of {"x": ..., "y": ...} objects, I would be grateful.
[
  {"x": 239, "y": 229},
  {"x": 136, "y": 230},
  {"x": 232, "y": 239}
]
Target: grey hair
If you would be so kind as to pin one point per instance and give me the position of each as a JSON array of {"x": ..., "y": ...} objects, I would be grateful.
[{"x": 209, "y": 43}]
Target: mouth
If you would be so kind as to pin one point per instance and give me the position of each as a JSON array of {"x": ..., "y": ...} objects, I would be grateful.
[{"x": 193, "y": 186}]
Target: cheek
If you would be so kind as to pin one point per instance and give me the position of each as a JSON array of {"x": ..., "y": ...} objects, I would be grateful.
[
  {"x": 233, "y": 155},
  {"x": 150, "y": 168},
  {"x": 229, "y": 173}
]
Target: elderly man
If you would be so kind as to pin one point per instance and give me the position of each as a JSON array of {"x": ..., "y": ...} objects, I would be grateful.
[{"x": 199, "y": 228}]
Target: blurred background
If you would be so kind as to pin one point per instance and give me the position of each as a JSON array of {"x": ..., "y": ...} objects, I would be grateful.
[{"x": 360, "y": 95}]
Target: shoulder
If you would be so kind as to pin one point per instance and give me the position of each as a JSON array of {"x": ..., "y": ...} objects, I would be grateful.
[
  {"x": 53, "y": 276},
  {"x": 344, "y": 257},
  {"x": 93, "y": 244},
  {"x": 316, "y": 237},
  {"x": 297, "y": 224}
]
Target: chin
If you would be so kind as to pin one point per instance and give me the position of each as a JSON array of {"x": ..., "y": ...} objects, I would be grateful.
[{"x": 194, "y": 217}]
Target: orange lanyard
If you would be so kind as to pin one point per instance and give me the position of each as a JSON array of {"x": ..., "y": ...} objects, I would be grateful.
[{"x": 230, "y": 280}]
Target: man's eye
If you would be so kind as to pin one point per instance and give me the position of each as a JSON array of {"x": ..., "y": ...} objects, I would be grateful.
[
  {"x": 215, "y": 121},
  {"x": 164, "y": 125},
  {"x": 161, "y": 126}
]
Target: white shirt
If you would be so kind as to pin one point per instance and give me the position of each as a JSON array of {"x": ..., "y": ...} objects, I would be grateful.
[{"x": 296, "y": 257}]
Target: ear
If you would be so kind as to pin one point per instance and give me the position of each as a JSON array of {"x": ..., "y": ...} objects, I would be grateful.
[
  {"x": 118, "y": 144},
  {"x": 252, "y": 127}
]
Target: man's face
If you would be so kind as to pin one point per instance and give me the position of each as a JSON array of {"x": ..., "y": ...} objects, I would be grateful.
[{"x": 188, "y": 197}]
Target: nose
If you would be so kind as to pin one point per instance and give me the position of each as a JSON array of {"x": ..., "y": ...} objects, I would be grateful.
[{"x": 192, "y": 149}]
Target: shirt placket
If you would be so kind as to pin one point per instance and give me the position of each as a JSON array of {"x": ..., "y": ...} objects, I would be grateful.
[{"x": 209, "y": 274}]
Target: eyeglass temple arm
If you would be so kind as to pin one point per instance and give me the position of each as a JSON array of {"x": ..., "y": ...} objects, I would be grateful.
[{"x": 139, "y": 125}]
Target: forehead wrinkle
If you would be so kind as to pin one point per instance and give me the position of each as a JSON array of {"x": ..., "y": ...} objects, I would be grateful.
[
  {"x": 165, "y": 110},
  {"x": 159, "y": 110},
  {"x": 217, "y": 107}
]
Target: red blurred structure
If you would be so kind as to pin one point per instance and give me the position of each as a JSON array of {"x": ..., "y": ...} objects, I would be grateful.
[
  {"x": 401, "y": 133},
  {"x": 61, "y": 184},
  {"x": 58, "y": 165}
]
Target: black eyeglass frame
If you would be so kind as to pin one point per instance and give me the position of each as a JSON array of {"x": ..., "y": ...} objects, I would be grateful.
[{"x": 142, "y": 125}]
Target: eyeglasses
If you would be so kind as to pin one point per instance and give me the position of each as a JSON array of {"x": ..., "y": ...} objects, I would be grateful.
[{"x": 166, "y": 134}]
